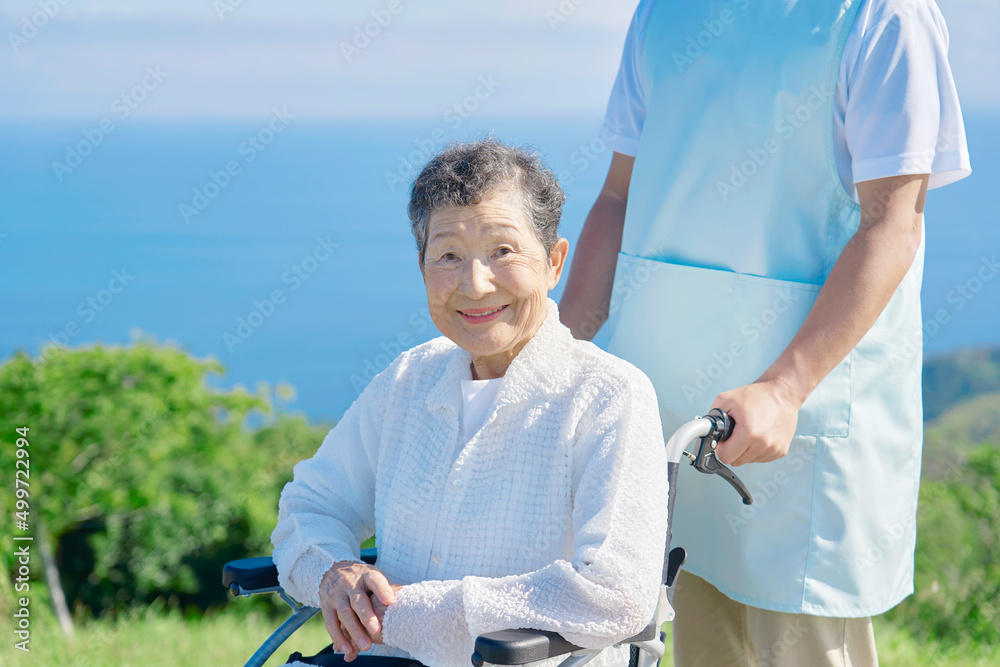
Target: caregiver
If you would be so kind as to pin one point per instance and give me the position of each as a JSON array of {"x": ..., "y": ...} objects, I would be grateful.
[{"x": 766, "y": 195}]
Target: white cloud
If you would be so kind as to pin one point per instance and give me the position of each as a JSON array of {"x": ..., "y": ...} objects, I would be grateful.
[
  {"x": 426, "y": 58},
  {"x": 417, "y": 64}
]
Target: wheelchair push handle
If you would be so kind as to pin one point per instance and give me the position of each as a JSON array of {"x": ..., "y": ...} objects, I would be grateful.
[
  {"x": 723, "y": 424},
  {"x": 713, "y": 428}
]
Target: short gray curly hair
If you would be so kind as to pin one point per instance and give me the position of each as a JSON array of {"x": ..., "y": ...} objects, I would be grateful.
[{"x": 465, "y": 174}]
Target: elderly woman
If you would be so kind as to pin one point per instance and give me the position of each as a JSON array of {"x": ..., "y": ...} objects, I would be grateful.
[{"x": 514, "y": 477}]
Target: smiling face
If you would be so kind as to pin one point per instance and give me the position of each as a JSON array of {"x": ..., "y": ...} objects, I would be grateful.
[{"x": 488, "y": 277}]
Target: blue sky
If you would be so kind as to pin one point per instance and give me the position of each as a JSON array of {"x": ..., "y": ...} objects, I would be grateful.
[{"x": 233, "y": 58}]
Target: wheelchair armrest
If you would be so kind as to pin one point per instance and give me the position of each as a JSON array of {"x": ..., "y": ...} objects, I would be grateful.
[
  {"x": 250, "y": 575},
  {"x": 518, "y": 647},
  {"x": 260, "y": 575},
  {"x": 647, "y": 634}
]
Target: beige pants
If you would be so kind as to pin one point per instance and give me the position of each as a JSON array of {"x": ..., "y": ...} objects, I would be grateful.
[{"x": 711, "y": 630}]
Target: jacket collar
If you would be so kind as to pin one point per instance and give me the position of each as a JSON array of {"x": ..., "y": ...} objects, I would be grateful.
[{"x": 542, "y": 368}]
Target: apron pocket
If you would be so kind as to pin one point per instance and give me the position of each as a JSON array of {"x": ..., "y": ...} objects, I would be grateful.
[{"x": 698, "y": 332}]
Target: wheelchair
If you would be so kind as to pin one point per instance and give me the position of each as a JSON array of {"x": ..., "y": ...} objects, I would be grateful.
[{"x": 250, "y": 576}]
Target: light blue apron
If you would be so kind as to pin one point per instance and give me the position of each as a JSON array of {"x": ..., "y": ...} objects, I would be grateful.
[{"x": 735, "y": 217}]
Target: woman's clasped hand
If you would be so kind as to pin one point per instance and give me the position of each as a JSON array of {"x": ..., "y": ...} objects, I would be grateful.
[{"x": 353, "y": 598}]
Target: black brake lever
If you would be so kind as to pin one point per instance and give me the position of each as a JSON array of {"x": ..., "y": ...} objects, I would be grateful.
[{"x": 706, "y": 460}]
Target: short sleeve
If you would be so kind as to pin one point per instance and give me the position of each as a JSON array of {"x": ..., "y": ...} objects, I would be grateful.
[
  {"x": 903, "y": 115},
  {"x": 627, "y": 104}
]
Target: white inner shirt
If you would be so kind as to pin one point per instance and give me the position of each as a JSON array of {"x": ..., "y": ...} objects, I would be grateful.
[{"x": 477, "y": 397}]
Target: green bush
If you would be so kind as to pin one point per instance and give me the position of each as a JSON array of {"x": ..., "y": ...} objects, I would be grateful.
[
  {"x": 146, "y": 479},
  {"x": 957, "y": 564}
]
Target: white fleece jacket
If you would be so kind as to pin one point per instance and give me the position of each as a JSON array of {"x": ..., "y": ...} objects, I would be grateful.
[{"x": 552, "y": 517}]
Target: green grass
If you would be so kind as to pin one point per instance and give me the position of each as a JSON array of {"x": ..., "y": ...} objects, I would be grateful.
[
  {"x": 898, "y": 648},
  {"x": 155, "y": 638}
]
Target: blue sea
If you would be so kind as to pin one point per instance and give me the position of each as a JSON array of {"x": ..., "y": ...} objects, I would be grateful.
[{"x": 281, "y": 247}]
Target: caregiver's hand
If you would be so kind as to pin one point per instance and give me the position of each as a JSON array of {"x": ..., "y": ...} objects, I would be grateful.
[
  {"x": 765, "y": 413},
  {"x": 346, "y": 597}
]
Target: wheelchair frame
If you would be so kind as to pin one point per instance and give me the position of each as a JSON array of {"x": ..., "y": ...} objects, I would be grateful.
[{"x": 250, "y": 576}]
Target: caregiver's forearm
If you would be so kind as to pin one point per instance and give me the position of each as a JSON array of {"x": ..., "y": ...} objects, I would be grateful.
[
  {"x": 859, "y": 286},
  {"x": 584, "y": 305}
]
